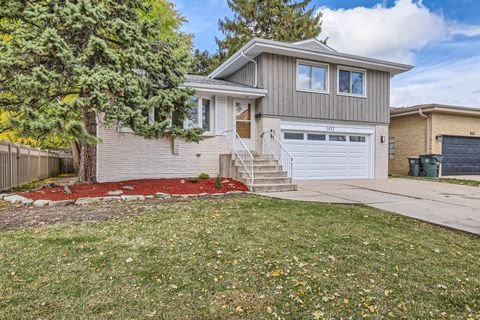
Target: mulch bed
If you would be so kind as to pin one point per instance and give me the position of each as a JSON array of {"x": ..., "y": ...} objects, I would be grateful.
[{"x": 140, "y": 187}]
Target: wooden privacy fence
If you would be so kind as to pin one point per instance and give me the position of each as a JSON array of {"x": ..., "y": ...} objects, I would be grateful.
[{"x": 23, "y": 164}]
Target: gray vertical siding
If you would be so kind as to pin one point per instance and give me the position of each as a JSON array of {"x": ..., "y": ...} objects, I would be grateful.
[
  {"x": 278, "y": 76},
  {"x": 245, "y": 75}
]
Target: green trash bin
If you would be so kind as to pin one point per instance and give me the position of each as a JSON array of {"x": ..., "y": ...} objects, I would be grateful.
[
  {"x": 414, "y": 167},
  {"x": 430, "y": 165}
]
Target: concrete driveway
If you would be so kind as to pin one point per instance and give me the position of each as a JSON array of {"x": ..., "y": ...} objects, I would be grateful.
[{"x": 450, "y": 205}]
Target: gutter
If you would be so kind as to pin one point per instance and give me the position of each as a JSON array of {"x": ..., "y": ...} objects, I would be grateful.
[
  {"x": 427, "y": 130},
  {"x": 242, "y": 53}
]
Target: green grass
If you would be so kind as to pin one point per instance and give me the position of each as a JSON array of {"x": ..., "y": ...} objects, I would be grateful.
[
  {"x": 241, "y": 258},
  {"x": 472, "y": 183}
]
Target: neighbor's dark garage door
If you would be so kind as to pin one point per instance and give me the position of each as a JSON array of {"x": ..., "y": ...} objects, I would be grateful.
[{"x": 461, "y": 155}]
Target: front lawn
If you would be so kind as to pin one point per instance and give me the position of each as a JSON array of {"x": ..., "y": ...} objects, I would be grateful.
[
  {"x": 240, "y": 258},
  {"x": 463, "y": 182}
]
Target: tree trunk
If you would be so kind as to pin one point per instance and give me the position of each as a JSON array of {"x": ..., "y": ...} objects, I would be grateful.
[
  {"x": 75, "y": 146},
  {"x": 87, "y": 172}
]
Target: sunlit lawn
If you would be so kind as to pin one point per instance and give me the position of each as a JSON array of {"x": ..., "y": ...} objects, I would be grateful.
[{"x": 241, "y": 258}]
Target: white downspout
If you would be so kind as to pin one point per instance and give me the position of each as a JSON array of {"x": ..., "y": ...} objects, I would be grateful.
[
  {"x": 427, "y": 131},
  {"x": 256, "y": 67}
]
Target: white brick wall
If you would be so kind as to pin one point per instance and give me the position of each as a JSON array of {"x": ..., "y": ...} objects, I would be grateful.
[
  {"x": 265, "y": 124},
  {"x": 126, "y": 156},
  {"x": 381, "y": 152}
]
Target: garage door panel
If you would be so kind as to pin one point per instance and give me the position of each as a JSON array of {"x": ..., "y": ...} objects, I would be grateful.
[
  {"x": 328, "y": 159},
  {"x": 461, "y": 155}
]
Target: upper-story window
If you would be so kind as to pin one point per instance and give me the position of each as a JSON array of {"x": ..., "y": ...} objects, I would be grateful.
[
  {"x": 312, "y": 76},
  {"x": 351, "y": 81},
  {"x": 200, "y": 114}
]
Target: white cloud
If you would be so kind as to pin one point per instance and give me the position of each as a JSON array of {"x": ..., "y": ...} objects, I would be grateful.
[
  {"x": 446, "y": 70},
  {"x": 395, "y": 33},
  {"x": 447, "y": 83}
]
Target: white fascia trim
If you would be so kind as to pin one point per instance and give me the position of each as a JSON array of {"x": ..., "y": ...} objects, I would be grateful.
[
  {"x": 227, "y": 89},
  {"x": 258, "y": 43},
  {"x": 438, "y": 109}
]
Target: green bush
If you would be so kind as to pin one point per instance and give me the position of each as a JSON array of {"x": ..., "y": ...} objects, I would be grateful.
[
  {"x": 204, "y": 175},
  {"x": 218, "y": 183},
  {"x": 193, "y": 180}
]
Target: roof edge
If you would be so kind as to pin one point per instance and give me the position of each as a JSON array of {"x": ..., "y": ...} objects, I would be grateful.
[
  {"x": 288, "y": 46},
  {"x": 430, "y": 108}
]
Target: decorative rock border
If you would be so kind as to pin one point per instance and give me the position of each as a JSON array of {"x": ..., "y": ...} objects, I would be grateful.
[{"x": 18, "y": 199}]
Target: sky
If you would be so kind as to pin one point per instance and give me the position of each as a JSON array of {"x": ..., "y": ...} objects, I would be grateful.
[{"x": 440, "y": 38}]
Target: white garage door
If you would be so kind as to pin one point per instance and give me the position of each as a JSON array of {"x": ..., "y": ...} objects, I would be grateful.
[{"x": 329, "y": 155}]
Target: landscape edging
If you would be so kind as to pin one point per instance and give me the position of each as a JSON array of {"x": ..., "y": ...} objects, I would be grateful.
[{"x": 14, "y": 199}]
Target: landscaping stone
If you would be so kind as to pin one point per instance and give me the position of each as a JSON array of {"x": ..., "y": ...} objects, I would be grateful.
[
  {"x": 162, "y": 195},
  {"x": 149, "y": 197},
  {"x": 128, "y": 188},
  {"x": 27, "y": 202},
  {"x": 132, "y": 198},
  {"x": 115, "y": 193},
  {"x": 182, "y": 181},
  {"x": 111, "y": 199},
  {"x": 41, "y": 203},
  {"x": 225, "y": 181},
  {"x": 61, "y": 203},
  {"x": 231, "y": 186},
  {"x": 83, "y": 201},
  {"x": 203, "y": 194},
  {"x": 15, "y": 199},
  {"x": 67, "y": 190},
  {"x": 3, "y": 195}
]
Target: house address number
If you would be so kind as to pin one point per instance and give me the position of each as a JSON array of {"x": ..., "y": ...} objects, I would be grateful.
[{"x": 330, "y": 128}]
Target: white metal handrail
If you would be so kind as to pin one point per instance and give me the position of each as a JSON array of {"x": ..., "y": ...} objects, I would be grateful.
[
  {"x": 271, "y": 144},
  {"x": 241, "y": 151}
]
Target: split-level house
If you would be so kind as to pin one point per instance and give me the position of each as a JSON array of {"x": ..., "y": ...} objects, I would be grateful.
[{"x": 272, "y": 113}]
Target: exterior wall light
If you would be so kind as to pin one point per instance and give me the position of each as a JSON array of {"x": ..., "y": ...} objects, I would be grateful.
[{"x": 439, "y": 138}]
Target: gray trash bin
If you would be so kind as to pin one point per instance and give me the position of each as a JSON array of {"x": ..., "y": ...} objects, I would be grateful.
[
  {"x": 414, "y": 164},
  {"x": 430, "y": 165}
]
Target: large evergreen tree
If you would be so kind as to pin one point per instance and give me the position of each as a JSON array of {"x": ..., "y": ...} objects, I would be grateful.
[
  {"x": 281, "y": 20},
  {"x": 203, "y": 63},
  {"x": 66, "y": 66}
]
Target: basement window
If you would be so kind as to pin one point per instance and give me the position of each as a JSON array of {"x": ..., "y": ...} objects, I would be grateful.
[{"x": 391, "y": 147}]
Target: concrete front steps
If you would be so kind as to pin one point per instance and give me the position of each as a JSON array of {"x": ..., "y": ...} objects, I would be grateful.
[{"x": 269, "y": 175}]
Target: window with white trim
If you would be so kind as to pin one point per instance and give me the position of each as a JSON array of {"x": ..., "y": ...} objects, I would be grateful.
[
  {"x": 351, "y": 81},
  {"x": 200, "y": 115},
  {"x": 312, "y": 76}
]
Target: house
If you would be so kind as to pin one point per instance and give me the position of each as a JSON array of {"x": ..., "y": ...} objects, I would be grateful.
[
  {"x": 451, "y": 131},
  {"x": 300, "y": 111}
]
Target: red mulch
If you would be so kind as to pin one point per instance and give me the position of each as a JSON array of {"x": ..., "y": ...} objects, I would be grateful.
[{"x": 141, "y": 187}]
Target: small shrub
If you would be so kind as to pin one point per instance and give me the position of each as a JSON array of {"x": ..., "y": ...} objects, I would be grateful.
[
  {"x": 218, "y": 183},
  {"x": 193, "y": 180},
  {"x": 204, "y": 175}
]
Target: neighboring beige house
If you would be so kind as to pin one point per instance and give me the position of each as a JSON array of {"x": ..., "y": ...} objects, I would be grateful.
[
  {"x": 286, "y": 111},
  {"x": 451, "y": 131}
]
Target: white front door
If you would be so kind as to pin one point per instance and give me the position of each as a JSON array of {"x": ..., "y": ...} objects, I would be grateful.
[{"x": 244, "y": 121}]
